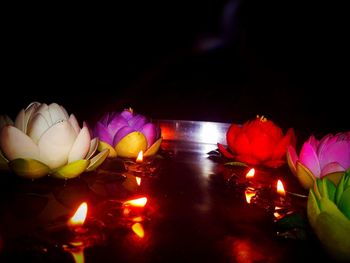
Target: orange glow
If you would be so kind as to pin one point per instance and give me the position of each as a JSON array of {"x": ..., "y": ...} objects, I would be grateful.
[
  {"x": 280, "y": 188},
  {"x": 138, "y": 219},
  {"x": 139, "y": 158},
  {"x": 79, "y": 217},
  {"x": 250, "y": 174},
  {"x": 138, "y": 230},
  {"x": 139, "y": 202},
  {"x": 138, "y": 180},
  {"x": 77, "y": 251},
  {"x": 249, "y": 194}
]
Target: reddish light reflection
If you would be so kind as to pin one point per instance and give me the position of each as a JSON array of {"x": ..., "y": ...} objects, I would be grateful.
[
  {"x": 249, "y": 194},
  {"x": 138, "y": 180},
  {"x": 139, "y": 202}
]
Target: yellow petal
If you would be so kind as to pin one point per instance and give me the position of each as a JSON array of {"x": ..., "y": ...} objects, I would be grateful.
[
  {"x": 304, "y": 175},
  {"x": 335, "y": 177},
  {"x": 103, "y": 145},
  {"x": 154, "y": 148},
  {"x": 29, "y": 168},
  {"x": 131, "y": 145},
  {"x": 71, "y": 170},
  {"x": 97, "y": 160}
]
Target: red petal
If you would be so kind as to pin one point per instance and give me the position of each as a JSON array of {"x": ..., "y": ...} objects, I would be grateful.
[
  {"x": 231, "y": 135},
  {"x": 281, "y": 148},
  {"x": 262, "y": 147},
  {"x": 248, "y": 159},
  {"x": 242, "y": 145},
  {"x": 225, "y": 152}
]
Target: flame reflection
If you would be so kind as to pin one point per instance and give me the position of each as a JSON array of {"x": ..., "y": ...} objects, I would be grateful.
[{"x": 138, "y": 230}]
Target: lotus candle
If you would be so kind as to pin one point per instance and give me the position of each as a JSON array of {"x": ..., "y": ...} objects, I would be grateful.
[
  {"x": 328, "y": 157},
  {"x": 44, "y": 139},
  {"x": 125, "y": 134},
  {"x": 258, "y": 142}
]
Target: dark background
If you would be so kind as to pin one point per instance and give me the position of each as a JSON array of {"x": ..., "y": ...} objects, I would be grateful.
[{"x": 220, "y": 61}]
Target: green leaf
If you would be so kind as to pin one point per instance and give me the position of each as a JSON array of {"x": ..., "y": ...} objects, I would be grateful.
[
  {"x": 29, "y": 168},
  {"x": 330, "y": 188},
  {"x": 339, "y": 191},
  {"x": 344, "y": 203},
  {"x": 236, "y": 164},
  {"x": 333, "y": 233},
  {"x": 313, "y": 209},
  {"x": 97, "y": 160},
  {"x": 71, "y": 170}
]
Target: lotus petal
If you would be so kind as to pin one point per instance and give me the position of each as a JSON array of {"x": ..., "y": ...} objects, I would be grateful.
[
  {"x": 116, "y": 124},
  {"x": 274, "y": 163},
  {"x": 225, "y": 152},
  {"x": 5, "y": 120},
  {"x": 335, "y": 177},
  {"x": 121, "y": 134},
  {"x": 105, "y": 119},
  {"x": 97, "y": 160},
  {"x": 292, "y": 159},
  {"x": 137, "y": 122},
  {"x": 131, "y": 145},
  {"x": 262, "y": 147},
  {"x": 242, "y": 145},
  {"x": 154, "y": 148},
  {"x": 29, "y": 111},
  {"x": 19, "y": 121},
  {"x": 127, "y": 114},
  {"x": 103, "y": 145},
  {"x": 304, "y": 175},
  {"x": 44, "y": 110},
  {"x": 247, "y": 159},
  {"x": 29, "y": 168},
  {"x": 332, "y": 168},
  {"x": 37, "y": 127},
  {"x": 15, "y": 144},
  {"x": 281, "y": 147},
  {"x": 71, "y": 170},
  {"x": 334, "y": 235},
  {"x": 231, "y": 135},
  {"x": 103, "y": 133},
  {"x": 313, "y": 142},
  {"x": 149, "y": 130},
  {"x": 56, "y": 113},
  {"x": 344, "y": 203},
  {"x": 56, "y": 143},
  {"x": 337, "y": 152},
  {"x": 93, "y": 147},
  {"x": 81, "y": 146},
  {"x": 313, "y": 209},
  {"x": 73, "y": 121},
  {"x": 309, "y": 159}
]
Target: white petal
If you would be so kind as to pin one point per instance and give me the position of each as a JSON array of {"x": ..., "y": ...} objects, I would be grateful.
[
  {"x": 37, "y": 126},
  {"x": 5, "y": 120},
  {"x": 15, "y": 144},
  {"x": 56, "y": 143},
  {"x": 73, "y": 121},
  {"x": 19, "y": 122},
  {"x": 93, "y": 147},
  {"x": 81, "y": 146},
  {"x": 56, "y": 112},
  {"x": 44, "y": 110},
  {"x": 29, "y": 111},
  {"x": 65, "y": 112}
]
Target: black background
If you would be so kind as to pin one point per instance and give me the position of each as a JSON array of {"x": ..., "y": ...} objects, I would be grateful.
[{"x": 283, "y": 59}]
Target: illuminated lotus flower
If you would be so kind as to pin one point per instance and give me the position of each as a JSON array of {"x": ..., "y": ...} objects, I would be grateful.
[
  {"x": 125, "y": 134},
  {"x": 258, "y": 142},
  {"x": 328, "y": 157},
  {"x": 328, "y": 211},
  {"x": 46, "y": 140}
]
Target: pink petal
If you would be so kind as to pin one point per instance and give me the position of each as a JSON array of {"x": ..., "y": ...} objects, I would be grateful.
[
  {"x": 150, "y": 132},
  {"x": 337, "y": 152},
  {"x": 137, "y": 122},
  {"x": 121, "y": 134},
  {"x": 292, "y": 158},
  {"x": 309, "y": 158},
  {"x": 332, "y": 168},
  {"x": 102, "y": 133},
  {"x": 313, "y": 142}
]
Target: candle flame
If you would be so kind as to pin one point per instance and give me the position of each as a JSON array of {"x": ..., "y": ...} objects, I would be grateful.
[
  {"x": 139, "y": 202},
  {"x": 280, "y": 188},
  {"x": 249, "y": 194},
  {"x": 138, "y": 180},
  {"x": 138, "y": 230},
  {"x": 250, "y": 173},
  {"x": 79, "y": 217},
  {"x": 139, "y": 158}
]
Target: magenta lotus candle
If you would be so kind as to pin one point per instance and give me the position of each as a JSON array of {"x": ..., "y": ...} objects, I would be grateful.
[
  {"x": 329, "y": 157},
  {"x": 126, "y": 133}
]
